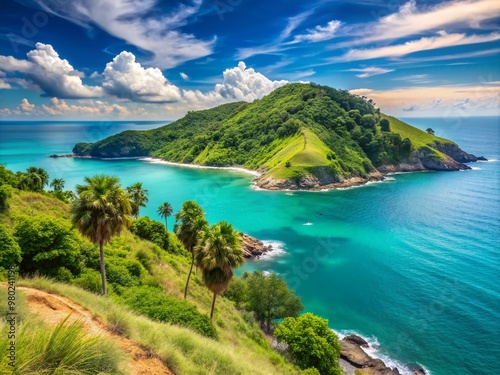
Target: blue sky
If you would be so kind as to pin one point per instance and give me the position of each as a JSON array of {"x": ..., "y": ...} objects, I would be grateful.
[{"x": 156, "y": 60}]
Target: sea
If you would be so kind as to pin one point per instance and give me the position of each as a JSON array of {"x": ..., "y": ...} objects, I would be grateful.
[{"x": 412, "y": 263}]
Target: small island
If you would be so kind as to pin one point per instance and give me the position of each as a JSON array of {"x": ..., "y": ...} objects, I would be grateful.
[{"x": 299, "y": 137}]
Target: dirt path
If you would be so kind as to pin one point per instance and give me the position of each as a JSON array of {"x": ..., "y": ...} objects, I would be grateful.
[{"x": 53, "y": 309}]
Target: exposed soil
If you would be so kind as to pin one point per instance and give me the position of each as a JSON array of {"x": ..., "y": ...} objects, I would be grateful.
[{"x": 53, "y": 309}]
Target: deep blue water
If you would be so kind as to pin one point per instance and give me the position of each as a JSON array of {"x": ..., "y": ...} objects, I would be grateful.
[{"x": 411, "y": 263}]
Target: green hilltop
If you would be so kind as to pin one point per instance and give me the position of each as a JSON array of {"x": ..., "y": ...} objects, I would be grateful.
[{"x": 299, "y": 136}]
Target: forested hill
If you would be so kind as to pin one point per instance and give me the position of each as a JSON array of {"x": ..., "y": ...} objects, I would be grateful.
[{"x": 299, "y": 136}]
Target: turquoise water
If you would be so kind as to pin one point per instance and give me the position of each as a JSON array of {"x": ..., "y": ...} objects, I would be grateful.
[{"x": 411, "y": 263}]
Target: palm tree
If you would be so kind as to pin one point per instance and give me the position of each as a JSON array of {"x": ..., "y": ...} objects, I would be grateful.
[
  {"x": 190, "y": 223},
  {"x": 34, "y": 179},
  {"x": 218, "y": 254},
  {"x": 165, "y": 210},
  {"x": 139, "y": 197},
  {"x": 100, "y": 211},
  {"x": 57, "y": 184}
]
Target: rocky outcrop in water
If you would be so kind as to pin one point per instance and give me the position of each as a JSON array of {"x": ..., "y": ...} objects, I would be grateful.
[
  {"x": 252, "y": 247},
  {"x": 353, "y": 354}
]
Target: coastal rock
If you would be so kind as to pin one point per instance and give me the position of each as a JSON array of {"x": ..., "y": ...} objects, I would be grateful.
[
  {"x": 315, "y": 182},
  {"x": 252, "y": 247},
  {"x": 455, "y": 152},
  {"x": 352, "y": 353},
  {"x": 419, "y": 372},
  {"x": 358, "y": 340},
  {"x": 61, "y": 156}
]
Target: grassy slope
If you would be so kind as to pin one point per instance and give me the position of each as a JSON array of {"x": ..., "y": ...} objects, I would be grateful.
[
  {"x": 241, "y": 348},
  {"x": 419, "y": 138}
]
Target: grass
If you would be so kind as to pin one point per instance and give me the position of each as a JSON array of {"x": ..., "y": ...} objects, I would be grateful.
[
  {"x": 65, "y": 349},
  {"x": 305, "y": 151},
  {"x": 182, "y": 350},
  {"x": 419, "y": 138}
]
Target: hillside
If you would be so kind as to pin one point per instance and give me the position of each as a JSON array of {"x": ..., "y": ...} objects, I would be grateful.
[
  {"x": 301, "y": 136},
  {"x": 141, "y": 275}
]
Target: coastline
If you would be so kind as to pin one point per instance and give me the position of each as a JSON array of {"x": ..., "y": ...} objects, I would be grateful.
[
  {"x": 196, "y": 166},
  {"x": 308, "y": 183}
]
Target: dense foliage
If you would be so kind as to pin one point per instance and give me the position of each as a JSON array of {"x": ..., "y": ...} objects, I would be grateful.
[
  {"x": 268, "y": 297},
  {"x": 310, "y": 343}
]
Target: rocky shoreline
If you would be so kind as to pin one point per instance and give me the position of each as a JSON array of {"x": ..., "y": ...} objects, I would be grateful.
[
  {"x": 353, "y": 358},
  {"x": 252, "y": 247}
]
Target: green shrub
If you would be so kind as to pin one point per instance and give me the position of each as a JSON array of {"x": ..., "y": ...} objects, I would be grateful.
[
  {"x": 150, "y": 230},
  {"x": 157, "y": 305},
  {"x": 47, "y": 243},
  {"x": 311, "y": 343},
  {"x": 10, "y": 252},
  {"x": 89, "y": 280}
]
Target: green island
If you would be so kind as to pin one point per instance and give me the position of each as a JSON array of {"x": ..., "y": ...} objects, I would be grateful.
[
  {"x": 300, "y": 136},
  {"x": 93, "y": 288}
]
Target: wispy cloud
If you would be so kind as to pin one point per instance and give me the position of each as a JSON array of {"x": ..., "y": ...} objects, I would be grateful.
[
  {"x": 319, "y": 33},
  {"x": 409, "y": 20},
  {"x": 456, "y": 56},
  {"x": 370, "y": 71},
  {"x": 423, "y": 44},
  {"x": 136, "y": 23}
]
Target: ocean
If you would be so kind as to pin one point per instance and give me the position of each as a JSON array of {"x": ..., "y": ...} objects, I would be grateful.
[{"x": 411, "y": 263}]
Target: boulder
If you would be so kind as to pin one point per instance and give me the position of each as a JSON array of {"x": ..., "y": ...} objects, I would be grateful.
[{"x": 358, "y": 340}]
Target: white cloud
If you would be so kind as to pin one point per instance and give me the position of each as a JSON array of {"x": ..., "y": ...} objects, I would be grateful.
[
  {"x": 319, "y": 33},
  {"x": 240, "y": 83},
  {"x": 370, "y": 71},
  {"x": 95, "y": 108},
  {"x": 11, "y": 64},
  {"x": 409, "y": 20},
  {"x": 137, "y": 23},
  {"x": 423, "y": 44},
  {"x": 293, "y": 23},
  {"x": 26, "y": 106},
  {"x": 184, "y": 76},
  {"x": 55, "y": 76},
  {"x": 126, "y": 78}
]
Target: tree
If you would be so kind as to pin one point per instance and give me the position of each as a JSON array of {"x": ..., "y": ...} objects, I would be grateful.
[
  {"x": 218, "y": 254},
  {"x": 11, "y": 252},
  {"x": 5, "y": 193},
  {"x": 190, "y": 224},
  {"x": 269, "y": 298},
  {"x": 138, "y": 196},
  {"x": 385, "y": 125},
  {"x": 35, "y": 179},
  {"x": 311, "y": 343},
  {"x": 430, "y": 131},
  {"x": 165, "y": 210},
  {"x": 47, "y": 244},
  {"x": 57, "y": 184},
  {"x": 101, "y": 210}
]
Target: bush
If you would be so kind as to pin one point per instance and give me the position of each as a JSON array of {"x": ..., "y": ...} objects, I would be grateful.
[
  {"x": 150, "y": 230},
  {"x": 311, "y": 343},
  {"x": 10, "y": 251},
  {"x": 237, "y": 291},
  {"x": 47, "y": 243},
  {"x": 5, "y": 193},
  {"x": 89, "y": 280},
  {"x": 153, "y": 302}
]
